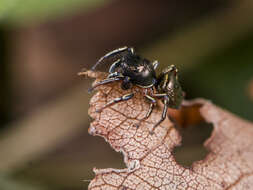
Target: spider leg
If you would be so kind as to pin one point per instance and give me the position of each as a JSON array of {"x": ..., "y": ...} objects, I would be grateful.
[
  {"x": 105, "y": 81},
  {"x": 115, "y": 75},
  {"x": 155, "y": 64},
  {"x": 126, "y": 84},
  {"x": 153, "y": 102},
  {"x": 113, "y": 53},
  {"x": 116, "y": 100},
  {"x": 165, "y": 109},
  {"x": 159, "y": 95},
  {"x": 114, "y": 66},
  {"x": 151, "y": 107}
]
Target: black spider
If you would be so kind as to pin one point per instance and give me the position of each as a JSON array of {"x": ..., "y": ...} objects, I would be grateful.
[{"x": 132, "y": 69}]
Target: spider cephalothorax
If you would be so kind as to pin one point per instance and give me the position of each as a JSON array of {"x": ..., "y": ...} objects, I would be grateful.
[{"x": 131, "y": 69}]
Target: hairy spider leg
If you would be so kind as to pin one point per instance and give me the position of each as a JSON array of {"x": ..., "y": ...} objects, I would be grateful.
[
  {"x": 113, "y": 53},
  {"x": 105, "y": 81},
  {"x": 117, "y": 100},
  {"x": 165, "y": 109}
]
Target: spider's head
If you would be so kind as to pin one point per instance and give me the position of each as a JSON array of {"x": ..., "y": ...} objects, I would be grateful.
[
  {"x": 130, "y": 67},
  {"x": 140, "y": 71}
]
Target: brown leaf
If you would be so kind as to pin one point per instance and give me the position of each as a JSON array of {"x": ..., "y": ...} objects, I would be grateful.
[
  {"x": 250, "y": 89},
  {"x": 149, "y": 160},
  {"x": 187, "y": 115}
]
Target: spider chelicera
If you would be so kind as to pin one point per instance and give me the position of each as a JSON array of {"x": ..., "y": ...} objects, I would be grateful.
[{"x": 132, "y": 69}]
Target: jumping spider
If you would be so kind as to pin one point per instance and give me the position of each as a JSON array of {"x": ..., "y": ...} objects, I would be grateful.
[{"x": 132, "y": 69}]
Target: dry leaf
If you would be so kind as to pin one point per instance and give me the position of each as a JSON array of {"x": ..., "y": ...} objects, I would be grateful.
[
  {"x": 149, "y": 160},
  {"x": 250, "y": 89}
]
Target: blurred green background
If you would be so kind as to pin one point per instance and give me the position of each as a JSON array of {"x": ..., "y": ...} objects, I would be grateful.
[{"x": 44, "y": 143}]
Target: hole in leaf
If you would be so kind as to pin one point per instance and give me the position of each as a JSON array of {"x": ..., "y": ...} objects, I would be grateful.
[
  {"x": 194, "y": 131},
  {"x": 192, "y": 148}
]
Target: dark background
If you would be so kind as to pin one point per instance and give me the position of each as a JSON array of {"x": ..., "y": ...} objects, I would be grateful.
[{"x": 44, "y": 143}]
